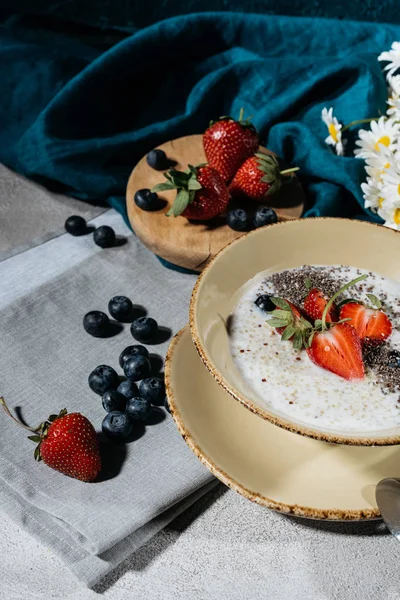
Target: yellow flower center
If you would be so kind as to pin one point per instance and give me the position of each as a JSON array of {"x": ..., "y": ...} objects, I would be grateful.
[
  {"x": 396, "y": 216},
  {"x": 333, "y": 132},
  {"x": 384, "y": 140},
  {"x": 387, "y": 166},
  {"x": 398, "y": 189},
  {"x": 380, "y": 202}
]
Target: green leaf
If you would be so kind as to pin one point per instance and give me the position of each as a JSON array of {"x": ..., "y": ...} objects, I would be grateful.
[
  {"x": 318, "y": 323},
  {"x": 275, "y": 187},
  {"x": 281, "y": 303},
  {"x": 374, "y": 301},
  {"x": 181, "y": 202},
  {"x": 36, "y": 454},
  {"x": 35, "y": 438},
  {"x": 194, "y": 184},
  {"x": 297, "y": 341},
  {"x": 179, "y": 175},
  {"x": 278, "y": 313},
  {"x": 288, "y": 333},
  {"x": 305, "y": 324},
  {"x": 192, "y": 170},
  {"x": 276, "y": 323},
  {"x": 163, "y": 187},
  {"x": 308, "y": 283},
  {"x": 310, "y": 339}
]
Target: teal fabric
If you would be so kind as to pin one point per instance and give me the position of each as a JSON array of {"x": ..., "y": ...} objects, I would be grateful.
[{"x": 78, "y": 108}]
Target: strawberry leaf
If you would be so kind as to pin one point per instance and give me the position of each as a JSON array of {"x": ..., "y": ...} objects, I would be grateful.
[
  {"x": 308, "y": 283},
  {"x": 374, "y": 301},
  {"x": 181, "y": 202},
  {"x": 35, "y": 438},
  {"x": 194, "y": 184},
  {"x": 297, "y": 341},
  {"x": 163, "y": 187},
  {"x": 288, "y": 333},
  {"x": 276, "y": 322},
  {"x": 281, "y": 303},
  {"x": 36, "y": 454}
]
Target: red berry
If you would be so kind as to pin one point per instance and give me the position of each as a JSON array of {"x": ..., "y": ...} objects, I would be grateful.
[
  {"x": 339, "y": 351},
  {"x": 227, "y": 143},
  {"x": 368, "y": 322},
  {"x": 314, "y": 306}
]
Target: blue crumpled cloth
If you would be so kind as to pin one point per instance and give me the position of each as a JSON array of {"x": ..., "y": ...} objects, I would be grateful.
[{"x": 78, "y": 111}]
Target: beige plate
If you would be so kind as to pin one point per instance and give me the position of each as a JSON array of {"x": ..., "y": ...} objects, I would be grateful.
[
  {"x": 271, "y": 249},
  {"x": 273, "y": 467},
  {"x": 184, "y": 243}
]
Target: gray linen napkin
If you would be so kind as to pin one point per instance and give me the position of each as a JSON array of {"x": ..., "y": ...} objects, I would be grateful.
[{"x": 45, "y": 359}]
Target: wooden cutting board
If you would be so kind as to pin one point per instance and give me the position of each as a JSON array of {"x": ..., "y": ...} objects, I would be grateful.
[{"x": 183, "y": 243}]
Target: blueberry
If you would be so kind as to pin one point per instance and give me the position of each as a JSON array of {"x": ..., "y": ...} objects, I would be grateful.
[
  {"x": 265, "y": 303},
  {"x": 96, "y": 323},
  {"x": 238, "y": 219},
  {"x": 128, "y": 388},
  {"x": 153, "y": 389},
  {"x": 147, "y": 200},
  {"x": 117, "y": 425},
  {"x": 120, "y": 307},
  {"x": 113, "y": 400},
  {"x": 157, "y": 159},
  {"x": 166, "y": 405},
  {"x": 394, "y": 359},
  {"x": 265, "y": 215},
  {"x": 103, "y": 378},
  {"x": 138, "y": 409},
  {"x": 132, "y": 351},
  {"x": 144, "y": 329},
  {"x": 137, "y": 367},
  {"x": 75, "y": 225},
  {"x": 104, "y": 236}
]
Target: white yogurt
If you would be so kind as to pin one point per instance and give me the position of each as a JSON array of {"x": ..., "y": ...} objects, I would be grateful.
[{"x": 288, "y": 381}]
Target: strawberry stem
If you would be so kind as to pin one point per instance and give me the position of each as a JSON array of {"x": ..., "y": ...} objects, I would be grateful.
[
  {"x": 9, "y": 413},
  {"x": 332, "y": 300},
  {"x": 292, "y": 170},
  {"x": 241, "y": 114}
]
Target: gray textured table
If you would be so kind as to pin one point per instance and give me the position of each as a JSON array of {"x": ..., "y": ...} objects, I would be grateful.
[{"x": 223, "y": 547}]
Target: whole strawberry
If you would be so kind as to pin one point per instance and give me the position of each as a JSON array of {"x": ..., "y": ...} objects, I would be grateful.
[
  {"x": 258, "y": 177},
  {"x": 66, "y": 443},
  {"x": 201, "y": 192},
  {"x": 227, "y": 143}
]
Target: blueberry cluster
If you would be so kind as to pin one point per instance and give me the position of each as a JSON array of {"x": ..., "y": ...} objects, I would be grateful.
[
  {"x": 126, "y": 402},
  {"x": 103, "y": 236},
  {"x": 124, "y": 399},
  {"x": 241, "y": 219},
  {"x": 143, "y": 329}
]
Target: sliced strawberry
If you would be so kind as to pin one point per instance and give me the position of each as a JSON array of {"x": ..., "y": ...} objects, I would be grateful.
[
  {"x": 339, "y": 351},
  {"x": 368, "y": 322},
  {"x": 314, "y": 306}
]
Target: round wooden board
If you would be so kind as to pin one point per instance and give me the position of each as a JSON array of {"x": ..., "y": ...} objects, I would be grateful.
[{"x": 177, "y": 240}]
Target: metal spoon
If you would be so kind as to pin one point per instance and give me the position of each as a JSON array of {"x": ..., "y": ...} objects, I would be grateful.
[{"x": 387, "y": 496}]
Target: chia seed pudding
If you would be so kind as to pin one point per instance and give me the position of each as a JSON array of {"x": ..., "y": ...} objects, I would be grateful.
[{"x": 286, "y": 379}]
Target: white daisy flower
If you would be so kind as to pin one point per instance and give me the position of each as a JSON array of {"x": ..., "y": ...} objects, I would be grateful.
[
  {"x": 394, "y": 84},
  {"x": 390, "y": 213},
  {"x": 334, "y": 127},
  {"x": 391, "y": 184},
  {"x": 372, "y": 194},
  {"x": 379, "y": 162},
  {"x": 394, "y": 106},
  {"x": 392, "y": 57},
  {"x": 383, "y": 133}
]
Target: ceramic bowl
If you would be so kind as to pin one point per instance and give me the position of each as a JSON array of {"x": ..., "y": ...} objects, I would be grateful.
[
  {"x": 323, "y": 241},
  {"x": 275, "y": 468}
]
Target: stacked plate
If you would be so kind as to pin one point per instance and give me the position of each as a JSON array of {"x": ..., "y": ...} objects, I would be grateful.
[{"x": 264, "y": 453}]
